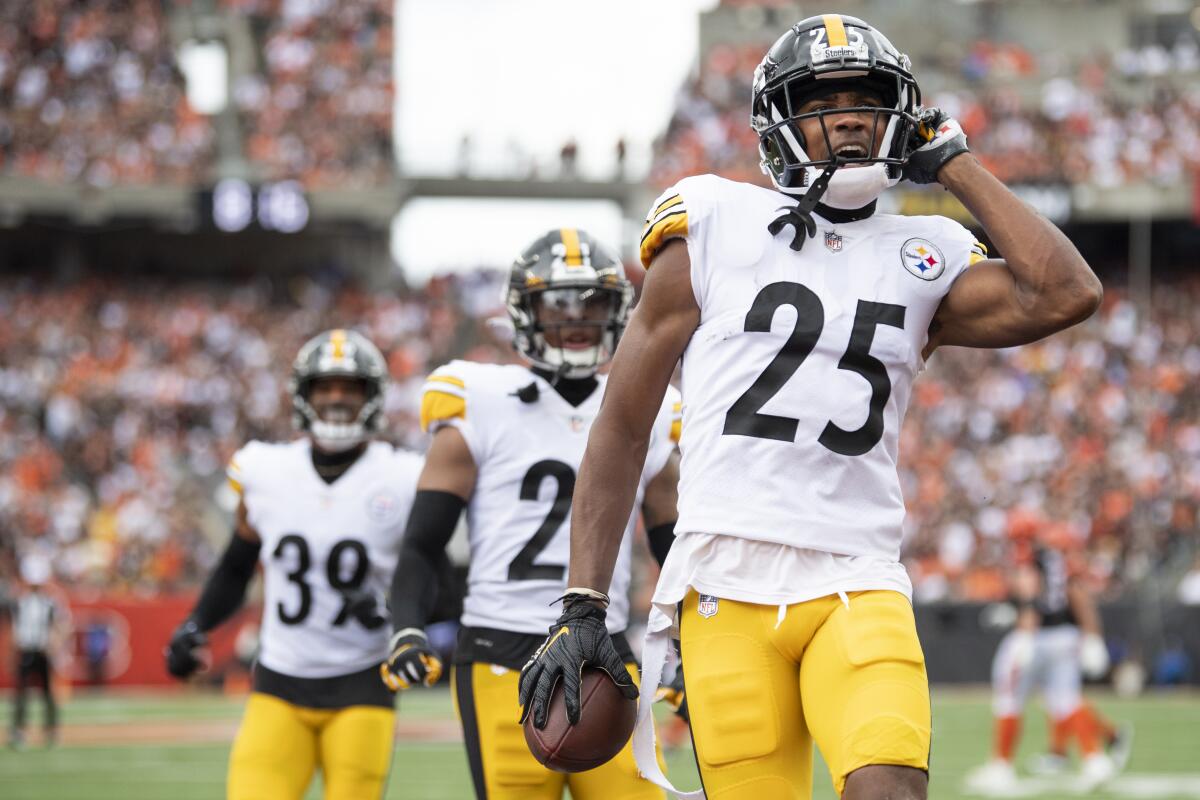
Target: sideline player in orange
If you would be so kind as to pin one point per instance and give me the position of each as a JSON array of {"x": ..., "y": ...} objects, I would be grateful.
[{"x": 801, "y": 316}]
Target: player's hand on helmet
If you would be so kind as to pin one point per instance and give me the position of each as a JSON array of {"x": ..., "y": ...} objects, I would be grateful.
[
  {"x": 674, "y": 695},
  {"x": 364, "y": 607},
  {"x": 1093, "y": 656},
  {"x": 412, "y": 661},
  {"x": 181, "y": 652},
  {"x": 578, "y": 639},
  {"x": 935, "y": 140}
]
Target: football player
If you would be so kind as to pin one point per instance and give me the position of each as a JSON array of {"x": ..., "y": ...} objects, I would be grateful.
[
  {"x": 800, "y": 334},
  {"x": 1055, "y": 643},
  {"x": 324, "y": 515},
  {"x": 507, "y": 442}
]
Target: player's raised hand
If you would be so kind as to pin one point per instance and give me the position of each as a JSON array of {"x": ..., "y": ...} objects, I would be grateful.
[
  {"x": 412, "y": 661},
  {"x": 578, "y": 639},
  {"x": 180, "y": 652},
  {"x": 937, "y": 139}
]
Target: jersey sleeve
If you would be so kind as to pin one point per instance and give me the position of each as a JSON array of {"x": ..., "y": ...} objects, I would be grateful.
[
  {"x": 963, "y": 250},
  {"x": 446, "y": 401},
  {"x": 664, "y": 435},
  {"x": 241, "y": 468},
  {"x": 678, "y": 213}
]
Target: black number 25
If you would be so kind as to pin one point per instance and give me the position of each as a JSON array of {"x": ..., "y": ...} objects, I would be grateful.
[{"x": 744, "y": 418}]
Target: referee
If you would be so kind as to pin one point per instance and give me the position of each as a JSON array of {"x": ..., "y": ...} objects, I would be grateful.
[{"x": 35, "y": 616}]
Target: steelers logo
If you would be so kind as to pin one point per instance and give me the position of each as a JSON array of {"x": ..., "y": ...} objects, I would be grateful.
[
  {"x": 384, "y": 506},
  {"x": 923, "y": 259}
]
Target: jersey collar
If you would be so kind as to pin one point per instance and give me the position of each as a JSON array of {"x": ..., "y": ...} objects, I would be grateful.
[{"x": 840, "y": 215}]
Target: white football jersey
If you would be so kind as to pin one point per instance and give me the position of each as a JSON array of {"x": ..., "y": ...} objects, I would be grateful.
[
  {"x": 797, "y": 379},
  {"x": 319, "y": 540},
  {"x": 519, "y": 515}
]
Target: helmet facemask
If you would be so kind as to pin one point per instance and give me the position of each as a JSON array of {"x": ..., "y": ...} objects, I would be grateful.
[
  {"x": 571, "y": 330},
  {"x": 338, "y": 354},
  {"x": 807, "y": 62},
  {"x": 568, "y": 300}
]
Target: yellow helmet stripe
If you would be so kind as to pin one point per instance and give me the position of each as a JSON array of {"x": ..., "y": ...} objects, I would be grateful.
[
  {"x": 570, "y": 240},
  {"x": 338, "y": 339},
  {"x": 835, "y": 31}
]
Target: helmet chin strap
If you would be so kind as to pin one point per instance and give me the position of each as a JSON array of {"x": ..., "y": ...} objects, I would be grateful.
[{"x": 800, "y": 216}]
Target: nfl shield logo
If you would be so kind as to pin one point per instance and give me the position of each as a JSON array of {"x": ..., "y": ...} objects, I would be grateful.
[
  {"x": 833, "y": 241},
  {"x": 707, "y": 605}
]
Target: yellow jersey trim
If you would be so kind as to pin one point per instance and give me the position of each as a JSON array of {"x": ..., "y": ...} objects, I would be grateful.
[
  {"x": 447, "y": 379},
  {"x": 670, "y": 225},
  {"x": 440, "y": 406}
]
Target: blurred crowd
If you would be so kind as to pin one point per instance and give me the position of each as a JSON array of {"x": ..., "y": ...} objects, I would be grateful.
[
  {"x": 91, "y": 92},
  {"x": 121, "y": 404},
  {"x": 1130, "y": 117},
  {"x": 320, "y": 108}
]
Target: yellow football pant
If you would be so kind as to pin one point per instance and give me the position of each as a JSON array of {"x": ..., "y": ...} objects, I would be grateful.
[
  {"x": 762, "y": 687},
  {"x": 502, "y": 768},
  {"x": 279, "y": 745}
]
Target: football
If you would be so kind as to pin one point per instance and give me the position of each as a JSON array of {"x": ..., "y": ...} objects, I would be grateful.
[{"x": 606, "y": 720}]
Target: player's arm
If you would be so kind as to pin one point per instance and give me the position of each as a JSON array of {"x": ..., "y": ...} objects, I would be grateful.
[
  {"x": 1093, "y": 652},
  {"x": 446, "y": 483},
  {"x": 658, "y": 332},
  {"x": 221, "y": 597},
  {"x": 1042, "y": 284},
  {"x": 660, "y": 509}
]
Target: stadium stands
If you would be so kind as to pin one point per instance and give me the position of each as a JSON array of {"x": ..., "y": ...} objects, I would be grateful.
[{"x": 122, "y": 404}]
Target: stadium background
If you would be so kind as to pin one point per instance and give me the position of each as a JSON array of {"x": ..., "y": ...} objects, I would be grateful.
[{"x": 161, "y": 261}]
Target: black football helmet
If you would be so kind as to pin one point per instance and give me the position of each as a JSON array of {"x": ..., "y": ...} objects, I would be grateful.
[
  {"x": 338, "y": 353},
  {"x": 818, "y": 54},
  {"x": 568, "y": 271}
]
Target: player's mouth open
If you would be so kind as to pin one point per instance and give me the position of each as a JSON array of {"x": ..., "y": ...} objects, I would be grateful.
[{"x": 852, "y": 151}]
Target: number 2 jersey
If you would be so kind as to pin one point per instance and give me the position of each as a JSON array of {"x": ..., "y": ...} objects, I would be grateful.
[
  {"x": 321, "y": 541},
  {"x": 797, "y": 379},
  {"x": 519, "y": 515}
]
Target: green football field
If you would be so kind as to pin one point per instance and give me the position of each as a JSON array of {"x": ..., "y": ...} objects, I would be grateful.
[{"x": 174, "y": 747}]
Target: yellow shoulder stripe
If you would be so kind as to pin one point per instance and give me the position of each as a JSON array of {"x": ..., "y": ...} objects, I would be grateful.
[
  {"x": 669, "y": 225},
  {"x": 450, "y": 379},
  {"x": 237, "y": 487},
  {"x": 439, "y": 406},
  {"x": 676, "y": 422},
  {"x": 978, "y": 253}
]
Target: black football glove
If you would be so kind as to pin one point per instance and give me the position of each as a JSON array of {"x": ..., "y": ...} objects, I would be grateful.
[
  {"x": 412, "y": 661},
  {"x": 937, "y": 139},
  {"x": 674, "y": 695},
  {"x": 578, "y": 639},
  {"x": 364, "y": 607},
  {"x": 180, "y": 652}
]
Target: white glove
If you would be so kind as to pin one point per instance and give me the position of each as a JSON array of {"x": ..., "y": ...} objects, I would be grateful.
[{"x": 1093, "y": 656}]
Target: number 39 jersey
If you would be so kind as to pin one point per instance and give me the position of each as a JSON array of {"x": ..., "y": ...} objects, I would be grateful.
[
  {"x": 797, "y": 379},
  {"x": 319, "y": 542},
  {"x": 519, "y": 516}
]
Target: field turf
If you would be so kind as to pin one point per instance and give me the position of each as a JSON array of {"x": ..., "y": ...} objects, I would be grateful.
[{"x": 175, "y": 746}]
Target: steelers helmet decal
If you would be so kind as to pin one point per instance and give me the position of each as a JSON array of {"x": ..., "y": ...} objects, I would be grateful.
[
  {"x": 568, "y": 299},
  {"x": 820, "y": 54},
  {"x": 338, "y": 353}
]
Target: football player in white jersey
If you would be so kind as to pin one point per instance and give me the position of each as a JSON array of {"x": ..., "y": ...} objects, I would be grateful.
[
  {"x": 507, "y": 442},
  {"x": 800, "y": 334},
  {"x": 324, "y": 515}
]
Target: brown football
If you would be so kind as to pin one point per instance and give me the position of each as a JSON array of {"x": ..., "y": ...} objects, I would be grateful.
[{"x": 606, "y": 720}]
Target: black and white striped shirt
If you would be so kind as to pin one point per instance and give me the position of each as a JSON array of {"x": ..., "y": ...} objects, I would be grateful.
[{"x": 33, "y": 619}]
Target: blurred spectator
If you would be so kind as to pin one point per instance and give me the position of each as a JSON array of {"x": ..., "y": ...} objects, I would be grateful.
[
  {"x": 320, "y": 109},
  {"x": 1188, "y": 592},
  {"x": 120, "y": 403},
  {"x": 1100, "y": 125},
  {"x": 91, "y": 92}
]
